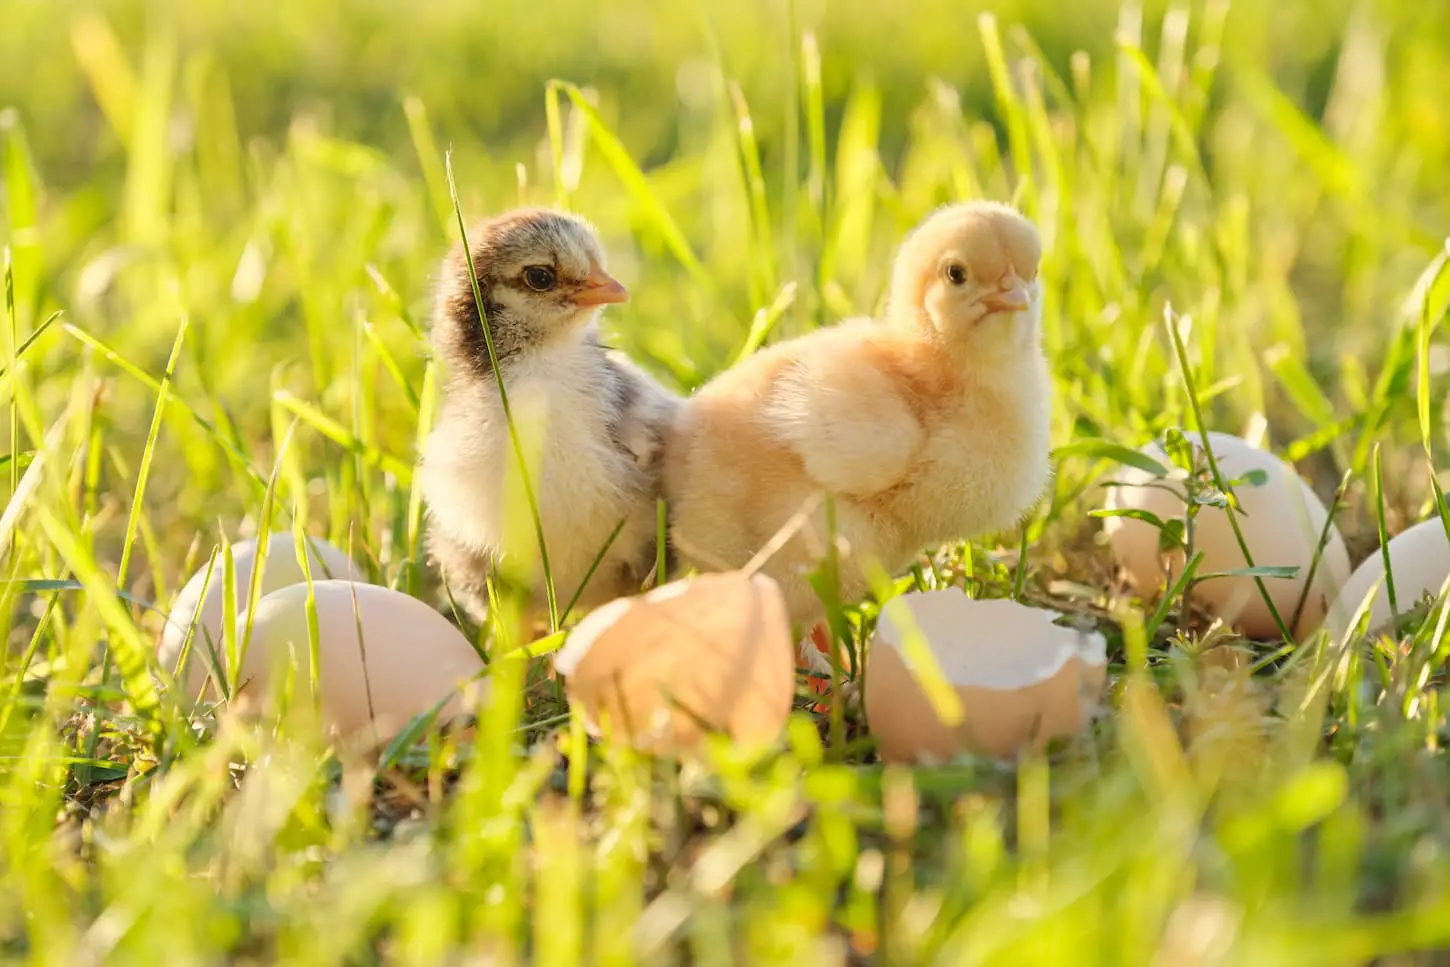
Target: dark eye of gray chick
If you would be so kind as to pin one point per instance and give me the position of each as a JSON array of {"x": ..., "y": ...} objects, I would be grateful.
[{"x": 540, "y": 278}]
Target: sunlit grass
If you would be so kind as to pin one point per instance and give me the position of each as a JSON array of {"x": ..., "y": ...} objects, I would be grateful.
[{"x": 215, "y": 325}]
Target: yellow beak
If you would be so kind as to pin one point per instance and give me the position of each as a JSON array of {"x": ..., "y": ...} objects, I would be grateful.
[
  {"x": 1014, "y": 299},
  {"x": 600, "y": 288}
]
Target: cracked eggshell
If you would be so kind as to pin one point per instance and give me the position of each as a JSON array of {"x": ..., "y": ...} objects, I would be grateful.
[
  {"x": 414, "y": 657},
  {"x": 711, "y": 652},
  {"x": 281, "y": 569},
  {"x": 1022, "y": 679},
  {"x": 1420, "y": 563},
  {"x": 1282, "y": 521}
]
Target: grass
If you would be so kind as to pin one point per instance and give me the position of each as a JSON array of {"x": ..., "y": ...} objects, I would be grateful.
[{"x": 237, "y": 228}]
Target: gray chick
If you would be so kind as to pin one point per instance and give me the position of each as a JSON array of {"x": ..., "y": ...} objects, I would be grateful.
[{"x": 591, "y": 422}]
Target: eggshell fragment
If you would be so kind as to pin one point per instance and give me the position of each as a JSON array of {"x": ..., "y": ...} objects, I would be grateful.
[
  {"x": 1419, "y": 563},
  {"x": 281, "y": 569},
  {"x": 1282, "y": 520},
  {"x": 1022, "y": 680},
  {"x": 708, "y": 653},
  {"x": 385, "y": 656}
]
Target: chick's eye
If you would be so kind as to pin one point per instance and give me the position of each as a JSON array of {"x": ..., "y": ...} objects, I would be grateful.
[
  {"x": 956, "y": 274},
  {"x": 540, "y": 278}
]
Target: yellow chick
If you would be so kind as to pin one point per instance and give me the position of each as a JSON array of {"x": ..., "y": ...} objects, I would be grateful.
[
  {"x": 928, "y": 426},
  {"x": 595, "y": 420}
]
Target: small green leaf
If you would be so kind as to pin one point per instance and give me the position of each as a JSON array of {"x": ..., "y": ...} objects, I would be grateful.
[
  {"x": 1131, "y": 513},
  {"x": 1254, "y": 478},
  {"x": 1179, "y": 450}
]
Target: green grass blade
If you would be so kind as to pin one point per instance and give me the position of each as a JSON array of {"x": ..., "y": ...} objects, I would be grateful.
[
  {"x": 427, "y": 400},
  {"x": 130, "y": 651},
  {"x": 343, "y": 437},
  {"x": 651, "y": 207},
  {"x": 29, "y": 340},
  {"x": 14, "y": 408},
  {"x": 1009, "y": 106},
  {"x": 1190, "y": 385},
  {"x": 1183, "y": 136},
  {"x": 227, "y": 446},
  {"x": 1434, "y": 291},
  {"x": 430, "y": 160},
  {"x": 498, "y": 381},
  {"x": 594, "y": 566},
  {"x": 1384, "y": 535},
  {"x": 555, "y": 126},
  {"x": 17, "y": 174},
  {"x": 762, "y": 247},
  {"x": 259, "y": 563},
  {"x": 813, "y": 103},
  {"x": 765, "y": 321},
  {"x": 163, "y": 390}
]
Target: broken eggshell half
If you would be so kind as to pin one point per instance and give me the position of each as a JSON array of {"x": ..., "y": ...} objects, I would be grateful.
[
  {"x": 1020, "y": 679},
  {"x": 707, "y": 653}
]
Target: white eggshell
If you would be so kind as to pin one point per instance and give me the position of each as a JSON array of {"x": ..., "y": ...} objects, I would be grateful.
[
  {"x": 385, "y": 656},
  {"x": 281, "y": 570},
  {"x": 1420, "y": 564},
  {"x": 708, "y": 653},
  {"x": 1281, "y": 522},
  {"x": 1021, "y": 679}
]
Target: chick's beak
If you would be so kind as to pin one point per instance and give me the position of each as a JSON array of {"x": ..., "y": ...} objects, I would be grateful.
[
  {"x": 1013, "y": 298},
  {"x": 600, "y": 288}
]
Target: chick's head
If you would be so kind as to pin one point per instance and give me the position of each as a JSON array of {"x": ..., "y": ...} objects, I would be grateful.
[
  {"x": 969, "y": 274},
  {"x": 542, "y": 278}
]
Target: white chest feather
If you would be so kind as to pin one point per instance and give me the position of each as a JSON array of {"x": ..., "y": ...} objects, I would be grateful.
[{"x": 583, "y": 483}]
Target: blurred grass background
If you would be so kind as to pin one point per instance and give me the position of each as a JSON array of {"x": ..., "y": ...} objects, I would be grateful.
[{"x": 237, "y": 208}]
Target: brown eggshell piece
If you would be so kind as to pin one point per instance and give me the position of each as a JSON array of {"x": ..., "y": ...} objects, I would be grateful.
[
  {"x": 707, "y": 653},
  {"x": 1022, "y": 680},
  {"x": 385, "y": 657}
]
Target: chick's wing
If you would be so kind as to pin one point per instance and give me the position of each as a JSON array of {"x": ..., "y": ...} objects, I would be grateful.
[{"x": 845, "y": 419}]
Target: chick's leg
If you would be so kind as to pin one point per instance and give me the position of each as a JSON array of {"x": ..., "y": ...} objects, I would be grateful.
[
  {"x": 815, "y": 654},
  {"x": 799, "y": 556}
]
